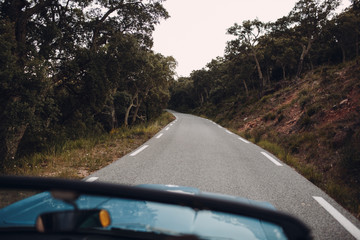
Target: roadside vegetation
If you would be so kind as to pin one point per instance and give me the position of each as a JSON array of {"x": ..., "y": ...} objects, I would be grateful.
[
  {"x": 79, "y": 158},
  {"x": 71, "y": 70},
  {"x": 80, "y": 86},
  {"x": 293, "y": 87}
]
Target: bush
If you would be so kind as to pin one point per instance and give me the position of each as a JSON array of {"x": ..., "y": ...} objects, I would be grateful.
[
  {"x": 304, "y": 121},
  {"x": 303, "y": 101},
  {"x": 247, "y": 134},
  {"x": 313, "y": 110},
  {"x": 257, "y": 134},
  {"x": 269, "y": 116},
  {"x": 281, "y": 117}
]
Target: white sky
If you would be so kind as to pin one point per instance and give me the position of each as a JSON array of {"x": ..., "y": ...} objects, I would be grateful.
[{"x": 195, "y": 33}]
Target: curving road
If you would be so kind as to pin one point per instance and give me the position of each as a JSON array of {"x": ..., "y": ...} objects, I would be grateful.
[{"x": 192, "y": 151}]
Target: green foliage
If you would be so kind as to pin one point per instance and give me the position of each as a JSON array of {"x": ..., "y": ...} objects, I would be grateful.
[
  {"x": 62, "y": 71},
  {"x": 266, "y": 57},
  {"x": 314, "y": 109},
  {"x": 307, "y": 170},
  {"x": 264, "y": 99},
  {"x": 79, "y": 157},
  {"x": 281, "y": 117},
  {"x": 351, "y": 153},
  {"x": 269, "y": 116},
  {"x": 303, "y": 101},
  {"x": 257, "y": 134}
]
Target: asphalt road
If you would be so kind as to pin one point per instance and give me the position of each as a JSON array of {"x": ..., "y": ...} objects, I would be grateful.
[{"x": 192, "y": 151}]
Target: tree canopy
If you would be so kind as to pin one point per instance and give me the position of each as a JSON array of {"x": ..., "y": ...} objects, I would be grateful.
[
  {"x": 265, "y": 56},
  {"x": 71, "y": 67}
]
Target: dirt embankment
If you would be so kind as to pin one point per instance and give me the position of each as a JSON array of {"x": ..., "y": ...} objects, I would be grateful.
[{"x": 316, "y": 120}]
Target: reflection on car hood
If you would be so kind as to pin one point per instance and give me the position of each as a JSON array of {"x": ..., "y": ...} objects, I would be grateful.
[
  {"x": 195, "y": 191},
  {"x": 151, "y": 216}
]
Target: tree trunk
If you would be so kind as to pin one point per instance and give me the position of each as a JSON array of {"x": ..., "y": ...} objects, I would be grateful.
[
  {"x": 97, "y": 27},
  {"x": 343, "y": 53},
  {"x": 246, "y": 88},
  {"x": 114, "y": 122},
  {"x": 206, "y": 94},
  {"x": 201, "y": 99},
  {"x": 12, "y": 135},
  {"x": 357, "y": 47},
  {"x": 10, "y": 143},
  {"x": 268, "y": 76},
  {"x": 138, "y": 104},
  {"x": 357, "y": 44},
  {"x": 126, "y": 120},
  {"x": 311, "y": 64},
  {"x": 301, "y": 62},
  {"x": 261, "y": 77},
  {"x": 283, "y": 72},
  {"x": 305, "y": 51}
]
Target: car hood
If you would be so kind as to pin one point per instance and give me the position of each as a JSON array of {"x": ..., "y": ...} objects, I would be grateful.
[{"x": 151, "y": 216}]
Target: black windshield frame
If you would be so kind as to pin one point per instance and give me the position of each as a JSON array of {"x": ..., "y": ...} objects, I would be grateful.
[{"x": 293, "y": 228}]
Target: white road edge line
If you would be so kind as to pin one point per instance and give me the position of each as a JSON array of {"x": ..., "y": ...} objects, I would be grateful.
[
  {"x": 159, "y": 136},
  {"x": 351, "y": 228},
  {"x": 271, "y": 159},
  {"x": 229, "y": 132},
  {"x": 138, "y": 151},
  {"x": 245, "y": 141},
  {"x": 167, "y": 128},
  {"x": 91, "y": 179}
]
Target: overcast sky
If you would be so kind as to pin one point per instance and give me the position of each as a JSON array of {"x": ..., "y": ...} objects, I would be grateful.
[{"x": 195, "y": 33}]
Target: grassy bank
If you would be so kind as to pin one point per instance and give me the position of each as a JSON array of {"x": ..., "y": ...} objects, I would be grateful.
[
  {"x": 77, "y": 159},
  {"x": 312, "y": 125}
]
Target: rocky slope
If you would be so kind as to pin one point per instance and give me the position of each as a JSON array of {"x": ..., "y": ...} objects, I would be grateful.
[{"x": 312, "y": 124}]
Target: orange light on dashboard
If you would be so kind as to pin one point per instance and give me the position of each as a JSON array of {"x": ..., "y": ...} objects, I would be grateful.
[{"x": 104, "y": 217}]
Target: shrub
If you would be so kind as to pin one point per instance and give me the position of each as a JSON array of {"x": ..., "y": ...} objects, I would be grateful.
[
  {"x": 313, "y": 110},
  {"x": 304, "y": 121},
  {"x": 303, "y": 101},
  {"x": 269, "y": 116},
  {"x": 247, "y": 134},
  {"x": 281, "y": 117},
  {"x": 257, "y": 134}
]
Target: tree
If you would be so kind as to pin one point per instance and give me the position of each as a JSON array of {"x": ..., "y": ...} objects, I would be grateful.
[
  {"x": 58, "y": 52},
  {"x": 182, "y": 94},
  {"x": 202, "y": 84},
  {"x": 279, "y": 44},
  {"x": 135, "y": 17},
  {"x": 309, "y": 18},
  {"x": 248, "y": 35},
  {"x": 26, "y": 88}
]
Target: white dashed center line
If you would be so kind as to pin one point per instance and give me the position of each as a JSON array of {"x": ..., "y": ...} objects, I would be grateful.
[
  {"x": 167, "y": 128},
  {"x": 245, "y": 141},
  {"x": 351, "y": 228},
  {"x": 229, "y": 132},
  {"x": 271, "y": 159},
  {"x": 159, "y": 136},
  {"x": 138, "y": 151},
  {"x": 91, "y": 179}
]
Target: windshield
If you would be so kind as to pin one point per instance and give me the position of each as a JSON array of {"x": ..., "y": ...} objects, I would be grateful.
[{"x": 137, "y": 216}]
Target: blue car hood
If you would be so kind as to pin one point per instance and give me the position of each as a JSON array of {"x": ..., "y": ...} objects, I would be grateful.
[{"x": 151, "y": 216}]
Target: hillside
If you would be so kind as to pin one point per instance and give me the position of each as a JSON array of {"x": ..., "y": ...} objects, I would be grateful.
[{"x": 312, "y": 124}]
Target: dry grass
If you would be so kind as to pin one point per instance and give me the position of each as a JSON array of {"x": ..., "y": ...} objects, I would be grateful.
[{"x": 79, "y": 158}]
